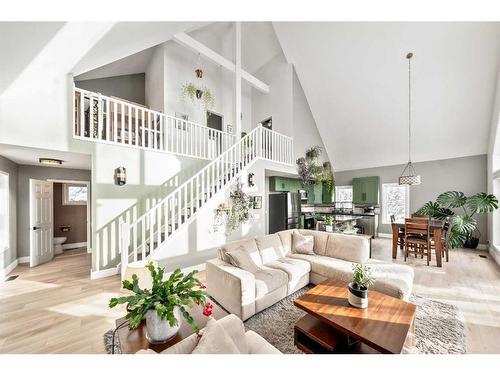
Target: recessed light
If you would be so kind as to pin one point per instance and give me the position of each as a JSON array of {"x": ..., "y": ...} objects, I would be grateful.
[{"x": 49, "y": 161}]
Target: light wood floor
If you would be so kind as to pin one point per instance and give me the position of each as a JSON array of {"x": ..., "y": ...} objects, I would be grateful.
[{"x": 56, "y": 308}]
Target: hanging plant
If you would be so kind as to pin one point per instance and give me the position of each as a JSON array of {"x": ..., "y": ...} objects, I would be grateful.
[
  {"x": 311, "y": 171},
  {"x": 232, "y": 216},
  {"x": 198, "y": 93},
  {"x": 199, "y": 73}
]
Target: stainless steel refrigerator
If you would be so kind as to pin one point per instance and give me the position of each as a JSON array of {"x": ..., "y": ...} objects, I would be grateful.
[{"x": 284, "y": 211}]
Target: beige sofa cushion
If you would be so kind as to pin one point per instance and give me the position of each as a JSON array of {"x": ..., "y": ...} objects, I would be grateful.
[
  {"x": 250, "y": 247},
  {"x": 286, "y": 240},
  {"x": 258, "y": 345},
  {"x": 215, "y": 340},
  {"x": 348, "y": 247},
  {"x": 303, "y": 244},
  {"x": 241, "y": 259},
  {"x": 320, "y": 240},
  {"x": 326, "y": 266},
  {"x": 270, "y": 247},
  {"x": 267, "y": 280},
  {"x": 295, "y": 269}
]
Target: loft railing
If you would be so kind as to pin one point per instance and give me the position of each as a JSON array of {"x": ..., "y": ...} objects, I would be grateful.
[
  {"x": 141, "y": 238},
  {"x": 105, "y": 119}
]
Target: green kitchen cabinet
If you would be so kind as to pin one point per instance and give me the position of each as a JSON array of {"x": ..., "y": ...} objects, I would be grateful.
[
  {"x": 365, "y": 190},
  {"x": 328, "y": 193},
  {"x": 278, "y": 183}
]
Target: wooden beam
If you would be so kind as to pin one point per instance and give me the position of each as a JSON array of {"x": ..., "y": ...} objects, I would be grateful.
[
  {"x": 237, "y": 76},
  {"x": 191, "y": 43}
]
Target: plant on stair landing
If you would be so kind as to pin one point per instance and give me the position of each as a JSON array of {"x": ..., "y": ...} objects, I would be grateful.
[
  {"x": 233, "y": 215},
  {"x": 463, "y": 228},
  {"x": 362, "y": 279},
  {"x": 163, "y": 305},
  {"x": 311, "y": 171}
]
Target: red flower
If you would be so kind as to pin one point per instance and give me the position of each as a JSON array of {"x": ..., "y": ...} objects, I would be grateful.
[{"x": 207, "y": 311}]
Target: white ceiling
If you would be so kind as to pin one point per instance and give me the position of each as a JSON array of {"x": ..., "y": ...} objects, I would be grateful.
[
  {"x": 133, "y": 64},
  {"x": 30, "y": 156},
  {"x": 355, "y": 79}
]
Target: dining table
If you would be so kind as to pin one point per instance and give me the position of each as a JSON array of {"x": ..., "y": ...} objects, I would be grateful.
[{"x": 436, "y": 227}]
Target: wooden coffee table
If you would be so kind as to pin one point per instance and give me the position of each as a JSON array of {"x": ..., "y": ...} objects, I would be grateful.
[
  {"x": 133, "y": 340},
  {"x": 333, "y": 326}
]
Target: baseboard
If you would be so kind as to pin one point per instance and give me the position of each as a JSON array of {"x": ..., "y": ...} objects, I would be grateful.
[
  {"x": 74, "y": 245},
  {"x": 104, "y": 273},
  {"x": 8, "y": 269},
  {"x": 385, "y": 235},
  {"x": 21, "y": 260},
  {"x": 494, "y": 251}
]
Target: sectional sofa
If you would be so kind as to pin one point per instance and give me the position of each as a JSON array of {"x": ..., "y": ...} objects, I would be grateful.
[{"x": 282, "y": 270}]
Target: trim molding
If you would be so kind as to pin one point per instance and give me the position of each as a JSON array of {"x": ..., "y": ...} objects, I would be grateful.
[
  {"x": 23, "y": 260},
  {"x": 104, "y": 273},
  {"x": 495, "y": 253},
  {"x": 4, "y": 272},
  {"x": 74, "y": 245}
]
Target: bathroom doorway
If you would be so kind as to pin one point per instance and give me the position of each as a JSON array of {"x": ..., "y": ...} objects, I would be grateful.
[
  {"x": 62, "y": 216},
  {"x": 71, "y": 216}
]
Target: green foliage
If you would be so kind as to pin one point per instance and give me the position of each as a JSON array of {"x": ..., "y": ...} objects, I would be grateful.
[
  {"x": 464, "y": 225},
  {"x": 362, "y": 276},
  {"x": 329, "y": 220},
  {"x": 434, "y": 210},
  {"x": 238, "y": 212},
  {"x": 178, "y": 290},
  {"x": 311, "y": 172},
  {"x": 189, "y": 90}
]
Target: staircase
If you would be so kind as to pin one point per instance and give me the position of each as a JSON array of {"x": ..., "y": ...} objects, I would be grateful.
[
  {"x": 109, "y": 120},
  {"x": 140, "y": 239}
]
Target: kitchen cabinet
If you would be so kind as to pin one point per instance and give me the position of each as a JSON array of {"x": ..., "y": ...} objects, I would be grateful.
[
  {"x": 277, "y": 183},
  {"x": 365, "y": 190}
]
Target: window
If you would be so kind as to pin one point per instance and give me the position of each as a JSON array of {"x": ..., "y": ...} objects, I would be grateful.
[
  {"x": 4, "y": 210},
  {"x": 343, "y": 196},
  {"x": 395, "y": 201},
  {"x": 74, "y": 194}
]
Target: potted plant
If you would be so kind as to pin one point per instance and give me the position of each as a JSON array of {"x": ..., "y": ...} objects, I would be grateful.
[
  {"x": 311, "y": 171},
  {"x": 203, "y": 94},
  {"x": 163, "y": 305},
  {"x": 329, "y": 223},
  {"x": 463, "y": 227},
  {"x": 362, "y": 279},
  {"x": 235, "y": 214},
  {"x": 199, "y": 73}
]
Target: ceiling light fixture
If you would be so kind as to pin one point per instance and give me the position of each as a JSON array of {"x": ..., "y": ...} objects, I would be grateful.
[
  {"x": 409, "y": 176},
  {"x": 50, "y": 161}
]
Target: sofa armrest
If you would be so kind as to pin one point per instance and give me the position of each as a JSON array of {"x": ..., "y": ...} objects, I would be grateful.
[{"x": 232, "y": 287}]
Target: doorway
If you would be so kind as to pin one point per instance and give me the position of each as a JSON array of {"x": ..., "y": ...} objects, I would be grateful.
[{"x": 59, "y": 219}]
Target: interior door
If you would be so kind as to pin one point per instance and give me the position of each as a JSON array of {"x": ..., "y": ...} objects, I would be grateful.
[{"x": 41, "y": 222}]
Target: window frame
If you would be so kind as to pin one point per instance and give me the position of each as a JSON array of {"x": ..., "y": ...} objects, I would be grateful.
[
  {"x": 65, "y": 195},
  {"x": 343, "y": 204},
  {"x": 5, "y": 245},
  {"x": 386, "y": 220}
]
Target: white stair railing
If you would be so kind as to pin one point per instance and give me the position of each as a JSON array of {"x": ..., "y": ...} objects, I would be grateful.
[
  {"x": 105, "y": 119},
  {"x": 140, "y": 239}
]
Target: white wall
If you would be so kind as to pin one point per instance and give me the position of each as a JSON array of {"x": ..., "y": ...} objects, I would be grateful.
[
  {"x": 155, "y": 80},
  {"x": 287, "y": 105},
  {"x": 10, "y": 255}
]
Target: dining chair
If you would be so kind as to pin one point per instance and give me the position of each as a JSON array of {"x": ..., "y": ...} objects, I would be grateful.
[
  {"x": 417, "y": 238},
  {"x": 401, "y": 233},
  {"x": 445, "y": 239}
]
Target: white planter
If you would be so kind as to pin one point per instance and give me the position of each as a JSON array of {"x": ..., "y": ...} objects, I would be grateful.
[
  {"x": 159, "y": 331},
  {"x": 329, "y": 228},
  {"x": 357, "y": 297}
]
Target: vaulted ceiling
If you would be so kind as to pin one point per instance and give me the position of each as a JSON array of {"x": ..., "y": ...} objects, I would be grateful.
[{"x": 355, "y": 79}]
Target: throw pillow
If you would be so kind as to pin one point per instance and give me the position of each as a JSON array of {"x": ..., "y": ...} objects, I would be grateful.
[
  {"x": 241, "y": 258},
  {"x": 215, "y": 340},
  {"x": 303, "y": 244}
]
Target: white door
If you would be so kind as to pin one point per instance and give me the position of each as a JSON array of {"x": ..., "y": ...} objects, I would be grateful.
[{"x": 41, "y": 222}]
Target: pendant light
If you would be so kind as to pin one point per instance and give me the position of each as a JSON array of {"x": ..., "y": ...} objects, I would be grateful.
[{"x": 409, "y": 176}]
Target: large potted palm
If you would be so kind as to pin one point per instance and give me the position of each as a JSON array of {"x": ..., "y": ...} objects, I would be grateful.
[{"x": 463, "y": 230}]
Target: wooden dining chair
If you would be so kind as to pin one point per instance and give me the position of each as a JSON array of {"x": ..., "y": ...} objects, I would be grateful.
[
  {"x": 445, "y": 239},
  {"x": 401, "y": 233},
  {"x": 417, "y": 238}
]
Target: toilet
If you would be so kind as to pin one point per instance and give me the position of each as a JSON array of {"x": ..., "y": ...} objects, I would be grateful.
[{"x": 58, "y": 242}]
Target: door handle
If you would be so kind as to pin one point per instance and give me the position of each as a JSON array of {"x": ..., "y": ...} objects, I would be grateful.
[{"x": 35, "y": 228}]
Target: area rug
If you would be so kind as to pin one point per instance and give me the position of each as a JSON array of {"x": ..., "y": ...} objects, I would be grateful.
[{"x": 439, "y": 327}]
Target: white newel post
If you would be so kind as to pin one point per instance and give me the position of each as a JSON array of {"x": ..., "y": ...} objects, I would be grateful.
[{"x": 124, "y": 231}]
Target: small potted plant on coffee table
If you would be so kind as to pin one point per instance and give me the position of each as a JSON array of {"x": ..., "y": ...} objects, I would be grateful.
[
  {"x": 163, "y": 305},
  {"x": 362, "y": 279}
]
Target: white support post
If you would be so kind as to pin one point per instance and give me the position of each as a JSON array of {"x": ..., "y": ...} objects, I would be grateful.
[
  {"x": 237, "y": 78},
  {"x": 124, "y": 229}
]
